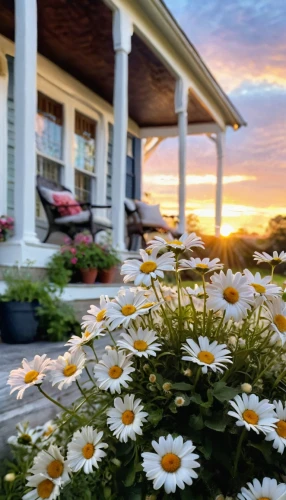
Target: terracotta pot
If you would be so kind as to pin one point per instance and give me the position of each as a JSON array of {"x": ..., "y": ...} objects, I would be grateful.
[
  {"x": 106, "y": 275},
  {"x": 88, "y": 276}
]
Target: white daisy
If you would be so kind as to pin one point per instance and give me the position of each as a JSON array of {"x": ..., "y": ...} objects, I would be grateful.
[
  {"x": 75, "y": 343},
  {"x": 85, "y": 450},
  {"x": 273, "y": 260},
  {"x": 172, "y": 465},
  {"x": 230, "y": 293},
  {"x": 32, "y": 373},
  {"x": 211, "y": 356},
  {"x": 113, "y": 371},
  {"x": 151, "y": 267},
  {"x": 43, "y": 486},
  {"x": 185, "y": 242},
  {"x": 67, "y": 368},
  {"x": 140, "y": 342},
  {"x": 96, "y": 315},
  {"x": 276, "y": 313},
  {"x": 48, "y": 429},
  {"x": 253, "y": 414},
  {"x": 197, "y": 291},
  {"x": 263, "y": 288},
  {"x": 201, "y": 266},
  {"x": 126, "y": 418},
  {"x": 278, "y": 435},
  {"x": 126, "y": 307},
  {"x": 269, "y": 489},
  {"x": 26, "y": 436},
  {"x": 51, "y": 463}
]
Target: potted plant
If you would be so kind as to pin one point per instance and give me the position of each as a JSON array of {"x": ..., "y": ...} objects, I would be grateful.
[
  {"x": 88, "y": 258},
  {"x": 6, "y": 226},
  {"x": 107, "y": 266},
  {"x": 18, "y": 306}
]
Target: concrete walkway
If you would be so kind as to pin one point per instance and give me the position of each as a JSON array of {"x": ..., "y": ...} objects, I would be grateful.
[{"x": 33, "y": 407}]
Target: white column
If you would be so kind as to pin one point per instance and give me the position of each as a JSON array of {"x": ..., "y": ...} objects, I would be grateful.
[
  {"x": 25, "y": 115},
  {"x": 220, "y": 143},
  {"x": 3, "y": 133},
  {"x": 122, "y": 32},
  {"x": 181, "y": 108}
]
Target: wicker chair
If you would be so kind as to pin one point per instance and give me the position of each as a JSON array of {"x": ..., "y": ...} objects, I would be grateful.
[{"x": 70, "y": 224}]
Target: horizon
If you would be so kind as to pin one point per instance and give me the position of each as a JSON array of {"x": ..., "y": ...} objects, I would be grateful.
[{"x": 244, "y": 46}]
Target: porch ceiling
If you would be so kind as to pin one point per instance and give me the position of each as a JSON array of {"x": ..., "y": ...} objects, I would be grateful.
[{"x": 77, "y": 36}]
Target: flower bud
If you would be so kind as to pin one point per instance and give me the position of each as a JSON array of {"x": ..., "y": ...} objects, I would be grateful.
[
  {"x": 241, "y": 342},
  {"x": 167, "y": 386},
  {"x": 219, "y": 497},
  {"x": 179, "y": 401},
  {"x": 152, "y": 378},
  {"x": 108, "y": 348},
  {"x": 10, "y": 477},
  {"x": 246, "y": 387},
  {"x": 188, "y": 372},
  {"x": 146, "y": 367},
  {"x": 232, "y": 341},
  {"x": 116, "y": 462},
  {"x": 150, "y": 497}
]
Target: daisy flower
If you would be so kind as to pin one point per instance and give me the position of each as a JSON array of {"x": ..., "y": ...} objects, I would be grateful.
[
  {"x": 113, "y": 371},
  {"x": 126, "y": 418},
  {"x": 25, "y": 435},
  {"x": 263, "y": 289},
  {"x": 48, "y": 429},
  {"x": 126, "y": 307},
  {"x": 185, "y": 242},
  {"x": 269, "y": 489},
  {"x": 151, "y": 267},
  {"x": 96, "y": 315},
  {"x": 75, "y": 343},
  {"x": 276, "y": 313},
  {"x": 51, "y": 463},
  {"x": 197, "y": 291},
  {"x": 273, "y": 260},
  {"x": 201, "y": 266},
  {"x": 32, "y": 373},
  {"x": 85, "y": 450},
  {"x": 140, "y": 342},
  {"x": 172, "y": 465},
  {"x": 67, "y": 368},
  {"x": 43, "y": 486},
  {"x": 230, "y": 293},
  {"x": 278, "y": 435},
  {"x": 211, "y": 356},
  {"x": 253, "y": 414}
]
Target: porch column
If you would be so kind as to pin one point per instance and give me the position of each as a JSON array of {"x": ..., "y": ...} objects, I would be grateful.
[
  {"x": 181, "y": 108},
  {"x": 122, "y": 32},
  {"x": 220, "y": 143},
  {"x": 25, "y": 115},
  {"x": 3, "y": 133}
]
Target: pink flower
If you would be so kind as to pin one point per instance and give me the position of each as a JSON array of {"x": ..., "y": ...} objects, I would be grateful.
[
  {"x": 73, "y": 251},
  {"x": 73, "y": 260},
  {"x": 67, "y": 240}
]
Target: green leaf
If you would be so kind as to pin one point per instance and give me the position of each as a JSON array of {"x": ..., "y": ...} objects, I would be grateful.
[
  {"x": 196, "y": 398},
  {"x": 182, "y": 386},
  {"x": 130, "y": 478},
  {"x": 216, "y": 423},
  {"x": 155, "y": 416},
  {"x": 224, "y": 393},
  {"x": 196, "y": 422}
]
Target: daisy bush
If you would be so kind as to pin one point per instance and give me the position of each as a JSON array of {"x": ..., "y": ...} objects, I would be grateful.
[{"x": 186, "y": 402}]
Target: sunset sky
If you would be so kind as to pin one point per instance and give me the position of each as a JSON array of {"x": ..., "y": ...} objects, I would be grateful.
[{"x": 243, "y": 43}]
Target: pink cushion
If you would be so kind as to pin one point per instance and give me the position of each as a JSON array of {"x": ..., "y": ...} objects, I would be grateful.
[{"x": 66, "y": 199}]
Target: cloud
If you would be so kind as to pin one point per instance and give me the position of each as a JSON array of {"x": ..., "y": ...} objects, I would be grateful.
[{"x": 193, "y": 180}]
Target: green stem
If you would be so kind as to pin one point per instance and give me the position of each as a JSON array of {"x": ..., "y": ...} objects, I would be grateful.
[
  {"x": 54, "y": 401},
  {"x": 272, "y": 273},
  {"x": 197, "y": 377},
  {"x": 111, "y": 336},
  {"x": 95, "y": 355},
  {"x": 205, "y": 303},
  {"x": 238, "y": 451},
  {"x": 161, "y": 307},
  {"x": 279, "y": 379},
  {"x": 179, "y": 292},
  {"x": 83, "y": 394},
  {"x": 89, "y": 375}
]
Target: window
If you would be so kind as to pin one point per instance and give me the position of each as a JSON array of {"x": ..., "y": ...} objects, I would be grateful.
[
  {"x": 49, "y": 142},
  {"x": 130, "y": 169},
  {"x": 109, "y": 165},
  {"x": 84, "y": 156}
]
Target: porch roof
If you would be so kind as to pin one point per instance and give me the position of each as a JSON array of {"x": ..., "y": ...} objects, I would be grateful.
[{"x": 77, "y": 36}]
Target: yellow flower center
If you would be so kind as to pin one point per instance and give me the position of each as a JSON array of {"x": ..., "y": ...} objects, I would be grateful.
[
  {"x": 87, "y": 334},
  {"x": 280, "y": 322},
  {"x": 250, "y": 417},
  {"x": 115, "y": 371},
  {"x": 148, "y": 304},
  {"x": 231, "y": 295},
  {"x": 148, "y": 267},
  {"x": 55, "y": 469},
  {"x": 69, "y": 370},
  {"x": 140, "y": 345},
  {"x": 31, "y": 376},
  {"x": 206, "y": 357},
  {"x": 148, "y": 251},
  {"x": 88, "y": 450},
  {"x": 101, "y": 315},
  {"x": 281, "y": 428},
  {"x": 264, "y": 498},
  {"x": 128, "y": 309},
  {"x": 276, "y": 261},
  {"x": 24, "y": 439},
  {"x": 170, "y": 462},
  {"x": 258, "y": 288},
  {"x": 174, "y": 242},
  {"x": 202, "y": 266},
  {"x": 45, "y": 488},
  {"x": 49, "y": 431},
  {"x": 128, "y": 417}
]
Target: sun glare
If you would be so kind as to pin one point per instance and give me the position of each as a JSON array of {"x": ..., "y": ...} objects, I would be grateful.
[{"x": 226, "y": 230}]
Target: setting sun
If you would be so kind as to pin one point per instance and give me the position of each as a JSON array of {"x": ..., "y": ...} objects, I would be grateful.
[{"x": 226, "y": 230}]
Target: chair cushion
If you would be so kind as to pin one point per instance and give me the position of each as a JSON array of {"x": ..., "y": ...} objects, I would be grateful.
[
  {"x": 130, "y": 205},
  {"x": 61, "y": 198},
  {"x": 151, "y": 215},
  {"x": 83, "y": 216}
]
